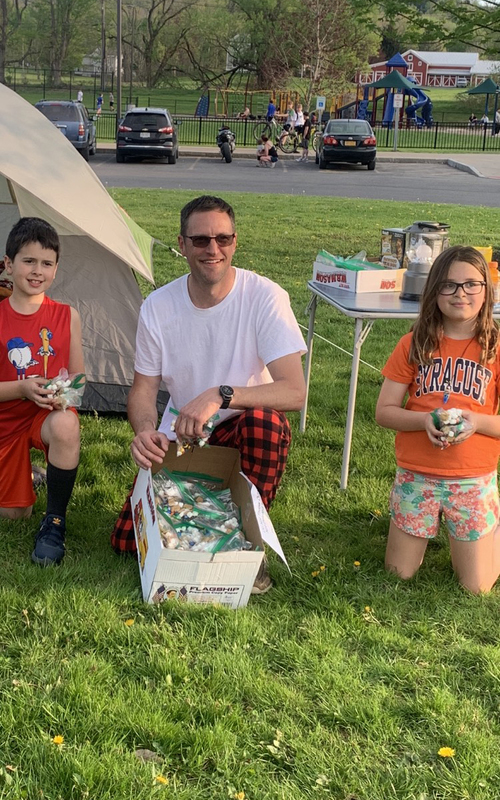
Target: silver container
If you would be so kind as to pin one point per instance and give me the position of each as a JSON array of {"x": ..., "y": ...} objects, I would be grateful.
[{"x": 424, "y": 242}]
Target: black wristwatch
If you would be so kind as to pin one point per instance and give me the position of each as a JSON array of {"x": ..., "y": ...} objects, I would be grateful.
[{"x": 227, "y": 393}]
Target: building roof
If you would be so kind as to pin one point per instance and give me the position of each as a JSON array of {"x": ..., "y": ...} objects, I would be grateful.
[
  {"x": 485, "y": 68},
  {"x": 445, "y": 59}
]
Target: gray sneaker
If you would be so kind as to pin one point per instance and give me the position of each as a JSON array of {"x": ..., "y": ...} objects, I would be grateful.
[{"x": 262, "y": 582}]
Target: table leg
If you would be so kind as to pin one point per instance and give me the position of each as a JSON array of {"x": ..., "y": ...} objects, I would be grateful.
[
  {"x": 307, "y": 368},
  {"x": 360, "y": 335}
]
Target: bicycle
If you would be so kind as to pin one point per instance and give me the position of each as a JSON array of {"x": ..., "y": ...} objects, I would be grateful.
[{"x": 288, "y": 141}]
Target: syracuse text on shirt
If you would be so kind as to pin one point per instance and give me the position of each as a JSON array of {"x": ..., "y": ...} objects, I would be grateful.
[{"x": 464, "y": 376}]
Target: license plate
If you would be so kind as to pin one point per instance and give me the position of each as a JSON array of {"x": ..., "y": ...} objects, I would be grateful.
[
  {"x": 349, "y": 144},
  {"x": 144, "y": 135}
]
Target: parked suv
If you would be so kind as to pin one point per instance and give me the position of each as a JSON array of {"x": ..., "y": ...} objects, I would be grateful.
[
  {"x": 71, "y": 118},
  {"x": 147, "y": 133}
]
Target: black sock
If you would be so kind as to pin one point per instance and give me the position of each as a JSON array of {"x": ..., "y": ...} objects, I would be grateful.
[{"x": 60, "y": 484}]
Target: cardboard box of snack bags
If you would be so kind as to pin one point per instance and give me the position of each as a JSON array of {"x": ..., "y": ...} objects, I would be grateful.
[
  {"x": 346, "y": 275},
  {"x": 224, "y": 578}
]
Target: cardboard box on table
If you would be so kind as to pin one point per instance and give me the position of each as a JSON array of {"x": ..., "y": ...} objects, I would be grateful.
[
  {"x": 197, "y": 577},
  {"x": 364, "y": 280}
]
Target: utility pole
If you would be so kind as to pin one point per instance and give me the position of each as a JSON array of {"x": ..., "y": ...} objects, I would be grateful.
[
  {"x": 103, "y": 48},
  {"x": 132, "y": 56},
  {"x": 118, "y": 60}
]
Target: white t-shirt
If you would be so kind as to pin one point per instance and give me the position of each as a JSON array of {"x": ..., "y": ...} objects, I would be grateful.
[
  {"x": 299, "y": 119},
  {"x": 79, "y": 96},
  {"x": 194, "y": 348}
]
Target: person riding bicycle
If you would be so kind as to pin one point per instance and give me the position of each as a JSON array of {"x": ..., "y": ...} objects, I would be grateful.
[{"x": 291, "y": 118}]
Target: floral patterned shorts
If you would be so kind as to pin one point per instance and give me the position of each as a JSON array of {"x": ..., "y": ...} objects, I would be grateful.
[{"x": 470, "y": 506}]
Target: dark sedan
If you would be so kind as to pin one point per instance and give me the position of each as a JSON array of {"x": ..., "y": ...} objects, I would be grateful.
[
  {"x": 147, "y": 133},
  {"x": 347, "y": 140}
]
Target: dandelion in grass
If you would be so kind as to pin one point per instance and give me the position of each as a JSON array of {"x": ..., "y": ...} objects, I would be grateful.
[
  {"x": 322, "y": 568},
  {"x": 446, "y": 752},
  {"x": 315, "y": 573},
  {"x": 129, "y": 622},
  {"x": 58, "y": 740},
  {"x": 161, "y": 779},
  {"x": 239, "y": 796},
  {"x": 356, "y": 564},
  {"x": 368, "y": 609}
]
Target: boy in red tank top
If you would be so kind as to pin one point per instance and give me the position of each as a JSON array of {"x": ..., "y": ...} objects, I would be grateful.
[{"x": 38, "y": 337}]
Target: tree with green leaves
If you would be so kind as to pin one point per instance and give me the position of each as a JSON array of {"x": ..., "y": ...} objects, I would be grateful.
[{"x": 11, "y": 17}]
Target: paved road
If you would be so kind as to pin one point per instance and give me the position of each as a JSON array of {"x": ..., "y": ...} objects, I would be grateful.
[{"x": 436, "y": 183}]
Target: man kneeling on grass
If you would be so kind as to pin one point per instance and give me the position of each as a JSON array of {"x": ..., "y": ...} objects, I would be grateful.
[{"x": 224, "y": 341}]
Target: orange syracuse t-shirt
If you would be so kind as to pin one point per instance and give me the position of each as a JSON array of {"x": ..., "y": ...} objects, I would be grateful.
[{"x": 474, "y": 387}]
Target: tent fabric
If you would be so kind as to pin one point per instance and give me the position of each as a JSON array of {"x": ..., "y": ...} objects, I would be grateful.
[
  {"x": 394, "y": 80},
  {"x": 486, "y": 87},
  {"x": 36, "y": 157},
  {"x": 42, "y": 174}
]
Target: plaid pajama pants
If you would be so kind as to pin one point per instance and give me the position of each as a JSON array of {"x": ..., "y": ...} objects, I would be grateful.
[{"x": 263, "y": 438}]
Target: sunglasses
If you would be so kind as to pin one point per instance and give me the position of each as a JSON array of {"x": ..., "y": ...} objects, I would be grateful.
[{"x": 222, "y": 239}]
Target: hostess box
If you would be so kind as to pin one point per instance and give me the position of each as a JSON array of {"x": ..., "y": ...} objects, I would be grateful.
[
  {"x": 225, "y": 578},
  {"x": 356, "y": 276}
]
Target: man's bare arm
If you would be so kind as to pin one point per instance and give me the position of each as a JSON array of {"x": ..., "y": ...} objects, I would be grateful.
[
  {"x": 285, "y": 393},
  {"x": 148, "y": 445}
]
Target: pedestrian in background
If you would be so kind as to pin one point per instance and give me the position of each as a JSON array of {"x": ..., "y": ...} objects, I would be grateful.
[{"x": 306, "y": 135}]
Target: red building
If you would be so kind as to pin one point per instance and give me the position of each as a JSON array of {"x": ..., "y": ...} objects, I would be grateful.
[{"x": 436, "y": 69}]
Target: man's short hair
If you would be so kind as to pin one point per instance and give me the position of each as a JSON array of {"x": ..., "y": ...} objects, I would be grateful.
[
  {"x": 206, "y": 202},
  {"x": 29, "y": 230}
]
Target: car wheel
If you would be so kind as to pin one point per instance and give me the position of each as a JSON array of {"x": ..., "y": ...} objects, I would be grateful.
[
  {"x": 120, "y": 158},
  {"x": 93, "y": 148},
  {"x": 226, "y": 152},
  {"x": 322, "y": 163},
  {"x": 85, "y": 152},
  {"x": 172, "y": 158},
  {"x": 371, "y": 165}
]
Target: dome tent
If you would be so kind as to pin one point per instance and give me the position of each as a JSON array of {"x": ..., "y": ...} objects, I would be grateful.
[{"x": 43, "y": 175}]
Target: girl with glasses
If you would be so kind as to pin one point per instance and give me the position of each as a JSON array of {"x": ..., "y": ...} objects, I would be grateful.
[{"x": 449, "y": 361}]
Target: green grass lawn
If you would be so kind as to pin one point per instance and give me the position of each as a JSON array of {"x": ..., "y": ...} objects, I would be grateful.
[{"x": 343, "y": 682}]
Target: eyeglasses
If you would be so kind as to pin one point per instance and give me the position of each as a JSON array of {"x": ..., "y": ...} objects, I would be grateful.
[
  {"x": 469, "y": 287},
  {"x": 222, "y": 239}
]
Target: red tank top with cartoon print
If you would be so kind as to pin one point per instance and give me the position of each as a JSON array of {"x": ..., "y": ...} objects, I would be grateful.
[{"x": 31, "y": 345}]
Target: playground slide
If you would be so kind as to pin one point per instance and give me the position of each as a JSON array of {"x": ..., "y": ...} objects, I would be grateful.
[
  {"x": 389, "y": 109},
  {"x": 423, "y": 102}
]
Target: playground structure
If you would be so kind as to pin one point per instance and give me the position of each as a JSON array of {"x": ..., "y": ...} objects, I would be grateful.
[
  {"x": 223, "y": 102},
  {"x": 421, "y": 101}
]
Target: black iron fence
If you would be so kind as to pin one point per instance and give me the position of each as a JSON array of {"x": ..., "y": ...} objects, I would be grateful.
[
  {"x": 441, "y": 136},
  {"x": 203, "y": 131}
]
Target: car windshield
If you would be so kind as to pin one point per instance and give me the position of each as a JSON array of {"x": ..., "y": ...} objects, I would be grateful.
[
  {"x": 349, "y": 128},
  {"x": 61, "y": 113},
  {"x": 139, "y": 121}
]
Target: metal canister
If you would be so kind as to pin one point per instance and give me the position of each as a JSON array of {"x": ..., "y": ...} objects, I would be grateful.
[{"x": 424, "y": 242}]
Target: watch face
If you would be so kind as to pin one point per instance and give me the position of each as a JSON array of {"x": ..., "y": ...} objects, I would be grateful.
[{"x": 226, "y": 391}]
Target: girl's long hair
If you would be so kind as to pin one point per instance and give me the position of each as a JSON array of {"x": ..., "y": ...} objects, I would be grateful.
[{"x": 428, "y": 329}]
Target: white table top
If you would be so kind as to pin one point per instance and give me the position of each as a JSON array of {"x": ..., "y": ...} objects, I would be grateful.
[
  {"x": 367, "y": 305},
  {"x": 372, "y": 305}
]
